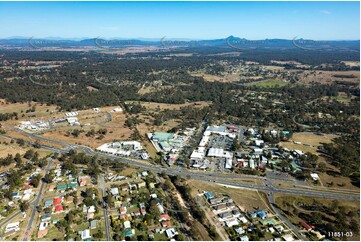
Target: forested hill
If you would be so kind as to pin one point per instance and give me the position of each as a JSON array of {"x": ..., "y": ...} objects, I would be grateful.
[{"x": 231, "y": 41}]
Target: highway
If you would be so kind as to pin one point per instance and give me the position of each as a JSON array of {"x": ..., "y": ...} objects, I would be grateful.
[
  {"x": 216, "y": 178},
  {"x": 203, "y": 176}
]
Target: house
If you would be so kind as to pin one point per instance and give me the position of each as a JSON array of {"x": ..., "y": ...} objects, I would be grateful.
[
  {"x": 219, "y": 207},
  {"x": 125, "y": 188},
  {"x": 42, "y": 233},
  {"x": 123, "y": 210},
  {"x": 208, "y": 195},
  {"x": 127, "y": 225},
  {"x": 89, "y": 216},
  {"x": 51, "y": 187},
  {"x": 171, "y": 233},
  {"x": 48, "y": 203},
  {"x": 114, "y": 191},
  {"x": 239, "y": 230},
  {"x": 57, "y": 201},
  {"x": 91, "y": 209},
  {"x": 314, "y": 176},
  {"x": 288, "y": 237},
  {"x": 69, "y": 199},
  {"x": 143, "y": 211},
  {"x": 279, "y": 228},
  {"x": 215, "y": 200},
  {"x": 45, "y": 217},
  {"x": 93, "y": 224},
  {"x": 243, "y": 219},
  {"x": 129, "y": 233},
  {"x": 306, "y": 226},
  {"x": 141, "y": 184},
  {"x": 160, "y": 208},
  {"x": 164, "y": 217},
  {"x": 318, "y": 235},
  {"x": 260, "y": 213},
  {"x": 43, "y": 225},
  {"x": 166, "y": 224},
  {"x": 61, "y": 187},
  {"x": 244, "y": 238},
  {"x": 225, "y": 215},
  {"x": 59, "y": 209},
  {"x": 231, "y": 223},
  {"x": 82, "y": 181},
  {"x": 117, "y": 204},
  {"x": 12, "y": 227},
  {"x": 72, "y": 185},
  {"x": 236, "y": 212},
  {"x": 85, "y": 234}
]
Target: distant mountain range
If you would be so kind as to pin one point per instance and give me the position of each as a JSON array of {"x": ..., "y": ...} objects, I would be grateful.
[{"x": 231, "y": 41}]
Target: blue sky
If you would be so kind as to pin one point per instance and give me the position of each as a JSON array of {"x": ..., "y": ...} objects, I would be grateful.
[{"x": 194, "y": 20}]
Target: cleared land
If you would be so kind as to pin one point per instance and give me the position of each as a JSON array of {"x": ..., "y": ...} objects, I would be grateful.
[
  {"x": 328, "y": 77},
  {"x": 247, "y": 200},
  {"x": 299, "y": 208},
  {"x": 270, "y": 83}
]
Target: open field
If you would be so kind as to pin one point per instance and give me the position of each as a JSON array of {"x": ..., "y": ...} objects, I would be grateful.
[
  {"x": 270, "y": 83},
  {"x": 328, "y": 77},
  {"x": 313, "y": 139},
  {"x": 297, "y": 208},
  {"x": 351, "y": 63},
  {"x": 40, "y": 109},
  {"x": 247, "y": 200},
  {"x": 152, "y": 106}
]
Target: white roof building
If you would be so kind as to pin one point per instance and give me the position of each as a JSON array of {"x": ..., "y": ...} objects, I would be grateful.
[
  {"x": 85, "y": 234},
  {"x": 197, "y": 154},
  {"x": 171, "y": 232},
  {"x": 114, "y": 191},
  {"x": 127, "y": 225},
  {"x": 228, "y": 163},
  {"x": 315, "y": 176},
  {"x": 244, "y": 238},
  {"x": 232, "y": 222},
  {"x": 12, "y": 226}
]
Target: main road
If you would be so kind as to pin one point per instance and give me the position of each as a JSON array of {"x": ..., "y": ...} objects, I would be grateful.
[
  {"x": 36, "y": 202},
  {"x": 203, "y": 176}
]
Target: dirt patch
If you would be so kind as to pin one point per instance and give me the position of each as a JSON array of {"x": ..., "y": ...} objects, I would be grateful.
[
  {"x": 247, "y": 200},
  {"x": 328, "y": 77}
]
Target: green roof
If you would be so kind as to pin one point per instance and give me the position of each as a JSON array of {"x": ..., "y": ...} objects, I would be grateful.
[
  {"x": 62, "y": 186},
  {"x": 164, "y": 144},
  {"x": 72, "y": 184},
  {"x": 162, "y": 136},
  {"x": 128, "y": 233}
]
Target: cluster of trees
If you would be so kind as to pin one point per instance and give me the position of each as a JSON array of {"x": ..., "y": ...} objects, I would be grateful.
[
  {"x": 196, "y": 211},
  {"x": 8, "y": 116},
  {"x": 345, "y": 154}
]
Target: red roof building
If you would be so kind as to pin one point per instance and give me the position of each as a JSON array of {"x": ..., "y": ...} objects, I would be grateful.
[
  {"x": 59, "y": 209},
  {"x": 166, "y": 224},
  {"x": 306, "y": 226},
  {"x": 57, "y": 201},
  {"x": 42, "y": 233},
  {"x": 164, "y": 217}
]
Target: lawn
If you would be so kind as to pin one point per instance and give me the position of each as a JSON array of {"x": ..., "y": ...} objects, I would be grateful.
[{"x": 270, "y": 84}]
